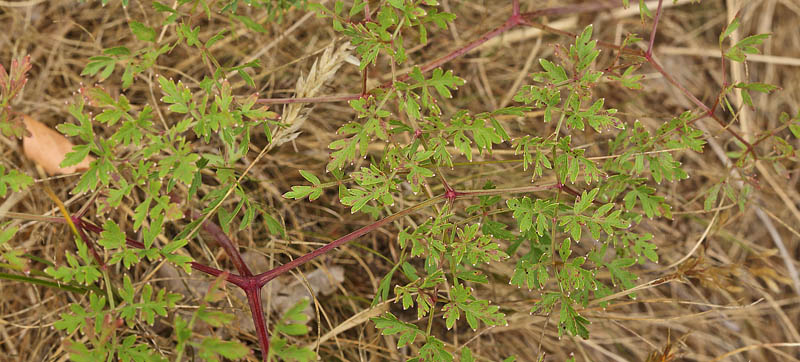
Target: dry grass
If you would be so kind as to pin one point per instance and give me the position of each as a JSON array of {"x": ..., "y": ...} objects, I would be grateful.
[{"x": 733, "y": 297}]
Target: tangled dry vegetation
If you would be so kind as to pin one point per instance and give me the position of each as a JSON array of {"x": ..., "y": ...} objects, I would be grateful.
[{"x": 725, "y": 288}]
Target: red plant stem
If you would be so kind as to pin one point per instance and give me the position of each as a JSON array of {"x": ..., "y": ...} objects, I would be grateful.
[
  {"x": 709, "y": 111},
  {"x": 232, "y": 278},
  {"x": 680, "y": 87},
  {"x": 653, "y": 32},
  {"x": 257, "y": 311},
  {"x": 516, "y": 18},
  {"x": 601, "y": 43},
  {"x": 265, "y": 277},
  {"x": 699, "y": 103},
  {"x": 227, "y": 244},
  {"x": 512, "y": 21},
  {"x": 77, "y": 222},
  {"x": 573, "y": 192}
]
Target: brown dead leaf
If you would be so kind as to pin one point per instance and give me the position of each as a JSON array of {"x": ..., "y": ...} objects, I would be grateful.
[{"x": 48, "y": 148}]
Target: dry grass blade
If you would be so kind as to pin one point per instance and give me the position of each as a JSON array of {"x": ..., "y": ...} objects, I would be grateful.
[{"x": 322, "y": 71}]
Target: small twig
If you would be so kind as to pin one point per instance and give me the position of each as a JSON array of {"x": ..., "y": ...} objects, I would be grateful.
[
  {"x": 509, "y": 24},
  {"x": 699, "y": 103},
  {"x": 513, "y": 20},
  {"x": 653, "y": 32},
  {"x": 601, "y": 43}
]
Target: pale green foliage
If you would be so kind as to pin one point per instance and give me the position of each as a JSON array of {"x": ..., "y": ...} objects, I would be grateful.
[
  {"x": 453, "y": 252},
  {"x": 97, "y": 321},
  {"x": 439, "y": 241},
  {"x": 292, "y": 324},
  {"x": 13, "y": 179},
  {"x": 83, "y": 271},
  {"x": 148, "y": 305},
  {"x": 147, "y": 158},
  {"x": 7, "y": 252},
  {"x": 208, "y": 348},
  {"x": 390, "y": 325},
  {"x": 747, "y": 45},
  {"x": 379, "y": 36},
  {"x": 474, "y": 310}
]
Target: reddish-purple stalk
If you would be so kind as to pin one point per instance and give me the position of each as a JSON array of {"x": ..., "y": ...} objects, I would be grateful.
[
  {"x": 512, "y": 21},
  {"x": 649, "y": 53},
  {"x": 226, "y": 244},
  {"x": 92, "y": 247},
  {"x": 516, "y": 18},
  {"x": 709, "y": 112},
  {"x": 252, "y": 284}
]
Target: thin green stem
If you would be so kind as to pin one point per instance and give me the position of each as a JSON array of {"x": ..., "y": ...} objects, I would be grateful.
[
  {"x": 111, "y": 302},
  {"x": 47, "y": 283},
  {"x": 473, "y": 217},
  {"x": 430, "y": 322}
]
